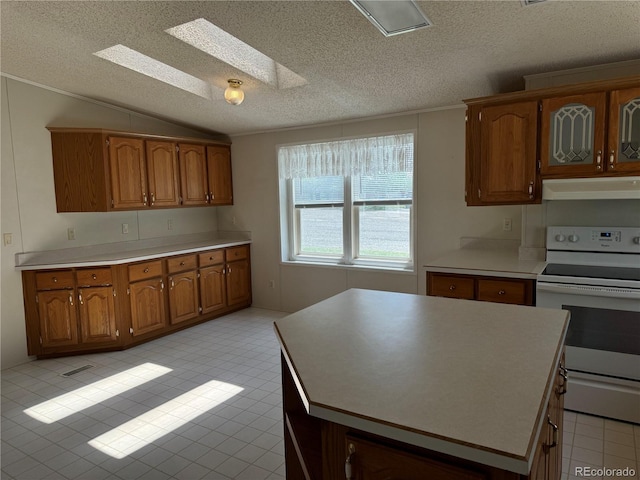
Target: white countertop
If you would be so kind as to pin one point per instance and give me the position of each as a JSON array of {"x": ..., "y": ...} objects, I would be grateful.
[
  {"x": 500, "y": 259},
  {"x": 127, "y": 252},
  {"x": 470, "y": 379}
]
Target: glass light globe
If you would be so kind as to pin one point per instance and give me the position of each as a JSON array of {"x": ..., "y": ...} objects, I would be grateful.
[{"x": 233, "y": 94}]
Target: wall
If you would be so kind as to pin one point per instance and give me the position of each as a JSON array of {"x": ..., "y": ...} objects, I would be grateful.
[
  {"x": 28, "y": 198},
  {"x": 441, "y": 215}
]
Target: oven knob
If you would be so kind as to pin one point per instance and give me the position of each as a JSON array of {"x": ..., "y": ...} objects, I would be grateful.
[
  {"x": 574, "y": 238},
  {"x": 560, "y": 238}
]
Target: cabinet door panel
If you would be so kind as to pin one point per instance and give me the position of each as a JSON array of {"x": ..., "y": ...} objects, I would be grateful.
[
  {"x": 183, "y": 297},
  {"x": 508, "y": 153},
  {"x": 162, "y": 167},
  {"x": 97, "y": 315},
  {"x": 238, "y": 283},
  {"x": 58, "y": 321},
  {"x": 219, "y": 168},
  {"x": 623, "y": 153},
  {"x": 374, "y": 461},
  {"x": 128, "y": 172},
  {"x": 213, "y": 289},
  {"x": 193, "y": 175},
  {"x": 147, "y": 306},
  {"x": 572, "y": 135}
]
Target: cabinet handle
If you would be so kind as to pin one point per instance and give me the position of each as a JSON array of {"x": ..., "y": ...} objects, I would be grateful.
[
  {"x": 229, "y": 269},
  {"x": 555, "y": 434},
  {"x": 94, "y": 276},
  {"x": 212, "y": 196},
  {"x": 80, "y": 299},
  {"x": 182, "y": 264},
  {"x": 531, "y": 190},
  {"x": 70, "y": 299},
  {"x": 612, "y": 159},
  {"x": 599, "y": 160},
  {"x": 563, "y": 372},
  {"x": 144, "y": 198},
  {"x": 161, "y": 285},
  {"x": 211, "y": 259},
  {"x": 347, "y": 463},
  {"x": 146, "y": 270},
  {"x": 153, "y": 198},
  {"x": 206, "y": 196},
  {"x": 55, "y": 279},
  {"x": 452, "y": 287},
  {"x": 172, "y": 284},
  {"x": 501, "y": 292}
]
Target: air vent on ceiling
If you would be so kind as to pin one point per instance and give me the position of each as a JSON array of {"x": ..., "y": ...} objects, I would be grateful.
[
  {"x": 393, "y": 17},
  {"x": 77, "y": 370}
]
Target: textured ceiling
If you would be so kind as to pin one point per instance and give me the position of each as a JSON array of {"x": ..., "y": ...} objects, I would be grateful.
[{"x": 474, "y": 48}]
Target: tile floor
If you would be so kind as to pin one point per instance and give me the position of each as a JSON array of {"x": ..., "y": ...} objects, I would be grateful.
[
  {"x": 130, "y": 405},
  {"x": 127, "y": 417}
]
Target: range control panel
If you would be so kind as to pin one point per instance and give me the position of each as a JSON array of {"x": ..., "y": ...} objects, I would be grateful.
[{"x": 594, "y": 239}]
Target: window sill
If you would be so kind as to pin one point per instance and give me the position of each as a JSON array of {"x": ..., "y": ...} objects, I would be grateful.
[{"x": 409, "y": 270}]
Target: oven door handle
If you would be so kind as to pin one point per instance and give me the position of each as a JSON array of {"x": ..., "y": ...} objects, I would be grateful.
[{"x": 593, "y": 291}]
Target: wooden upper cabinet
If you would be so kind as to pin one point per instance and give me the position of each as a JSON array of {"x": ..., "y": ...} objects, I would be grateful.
[
  {"x": 101, "y": 170},
  {"x": 623, "y": 151},
  {"x": 193, "y": 174},
  {"x": 162, "y": 172},
  {"x": 507, "y": 169},
  {"x": 572, "y": 137},
  {"x": 219, "y": 170}
]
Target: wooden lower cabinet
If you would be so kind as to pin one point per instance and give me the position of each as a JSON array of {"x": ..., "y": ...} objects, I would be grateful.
[
  {"x": 317, "y": 449},
  {"x": 58, "y": 318},
  {"x": 114, "y": 307},
  {"x": 147, "y": 306},
  {"x": 516, "y": 291},
  {"x": 97, "y": 314}
]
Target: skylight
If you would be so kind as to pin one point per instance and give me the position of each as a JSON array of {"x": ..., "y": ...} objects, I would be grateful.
[
  {"x": 209, "y": 38},
  {"x": 393, "y": 17},
  {"x": 138, "y": 62}
]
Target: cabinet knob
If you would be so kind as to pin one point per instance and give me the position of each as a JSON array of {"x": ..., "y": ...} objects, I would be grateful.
[
  {"x": 55, "y": 279},
  {"x": 501, "y": 292},
  {"x": 94, "y": 276},
  {"x": 452, "y": 287},
  {"x": 146, "y": 270},
  {"x": 182, "y": 264},
  {"x": 211, "y": 259}
]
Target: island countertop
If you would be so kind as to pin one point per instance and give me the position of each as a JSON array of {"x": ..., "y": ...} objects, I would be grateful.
[{"x": 465, "y": 378}]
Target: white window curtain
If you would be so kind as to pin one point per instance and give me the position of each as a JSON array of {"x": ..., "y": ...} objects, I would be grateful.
[{"x": 360, "y": 156}]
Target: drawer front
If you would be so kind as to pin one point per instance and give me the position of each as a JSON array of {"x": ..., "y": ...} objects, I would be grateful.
[
  {"x": 140, "y": 271},
  {"x": 502, "y": 291},
  {"x": 182, "y": 263},
  {"x": 237, "y": 253},
  {"x": 94, "y": 276},
  {"x": 450, "y": 286},
  {"x": 214, "y": 257},
  {"x": 54, "y": 280}
]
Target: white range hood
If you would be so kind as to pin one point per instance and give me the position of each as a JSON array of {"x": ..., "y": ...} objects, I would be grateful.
[{"x": 602, "y": 188}]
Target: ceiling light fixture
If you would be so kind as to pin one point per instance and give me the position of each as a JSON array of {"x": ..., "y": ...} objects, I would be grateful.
[
  {"x": 393, "y": 17},
  {"x": 233, "y": 94}
]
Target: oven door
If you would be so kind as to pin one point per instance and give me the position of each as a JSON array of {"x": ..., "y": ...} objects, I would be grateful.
[{"x": 602, "y": 347}]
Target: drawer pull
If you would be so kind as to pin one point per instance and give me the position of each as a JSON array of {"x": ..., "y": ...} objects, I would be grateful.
[
  {"x": 452, "y": 287},
  {"x": 347, "y": 463},
  {"x": 564, "y": 373},
  {"x": 211, "y": 258},
  {"x": 502, "y": 292},
  {"x": 70, "y": 299},
  {"x": 55, "y": 279},
  {"x": 94, "y": 276},
  {"x": 182, "y": 264},
  {"x": 555, "y": 434},
  {"x": 146, "y": 270}
]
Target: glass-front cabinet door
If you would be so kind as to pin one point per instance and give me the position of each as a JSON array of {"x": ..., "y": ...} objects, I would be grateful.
[
  {"x": 573, "y": 135},
  {"x": 623, "y": 153}
]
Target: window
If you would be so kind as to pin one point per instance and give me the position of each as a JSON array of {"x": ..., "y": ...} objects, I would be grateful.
[{"x": 348, "y": 202}]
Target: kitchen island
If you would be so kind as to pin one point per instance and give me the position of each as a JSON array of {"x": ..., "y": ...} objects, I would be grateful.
[{"x": 408, "y": 386}]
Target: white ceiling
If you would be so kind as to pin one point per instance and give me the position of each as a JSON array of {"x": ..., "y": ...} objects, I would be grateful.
[{"x": 474, "y": 48}]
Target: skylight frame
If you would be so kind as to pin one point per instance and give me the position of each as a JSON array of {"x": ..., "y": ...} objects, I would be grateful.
[{"x": 409, "y": 6}]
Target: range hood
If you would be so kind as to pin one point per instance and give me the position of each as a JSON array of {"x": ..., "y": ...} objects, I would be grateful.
[{"x": 602, "y": 188}]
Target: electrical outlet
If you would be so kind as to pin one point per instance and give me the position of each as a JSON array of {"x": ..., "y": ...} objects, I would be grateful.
[
  {"x": 71, "y": 233},
  {"x": 170, "y": 224},
  {"x": 7, "y": 238},
  {"x": 125, "y": 228},
  {"x": 506, "y": 224}
]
